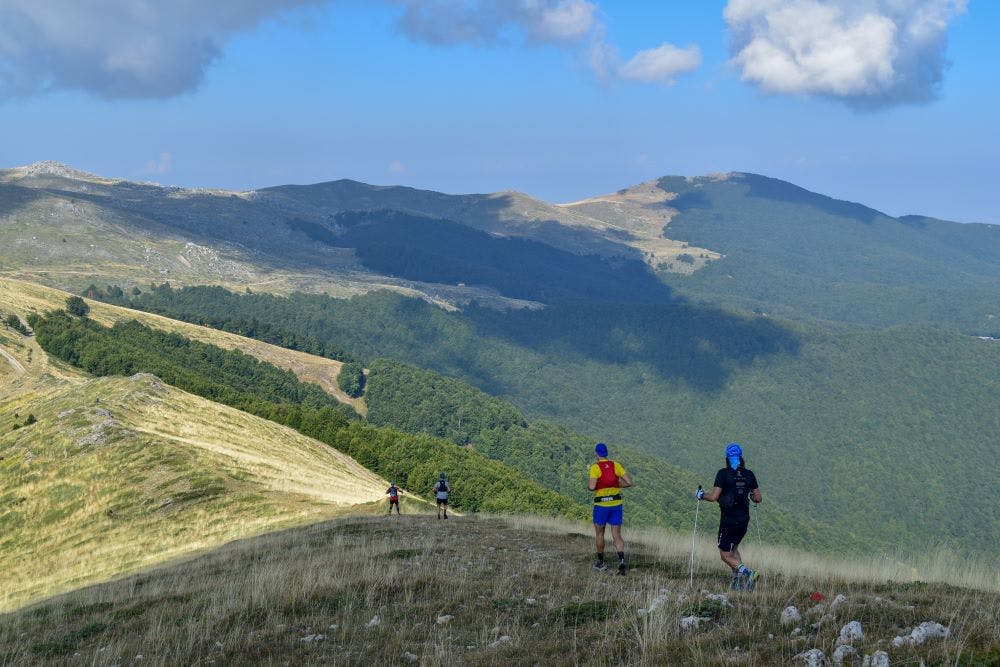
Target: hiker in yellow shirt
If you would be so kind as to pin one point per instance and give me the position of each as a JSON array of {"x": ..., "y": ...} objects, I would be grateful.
[{"x": 607, "y": 479}]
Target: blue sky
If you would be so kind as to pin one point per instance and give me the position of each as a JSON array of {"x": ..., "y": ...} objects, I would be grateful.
[{"x": 893, "y": 103}]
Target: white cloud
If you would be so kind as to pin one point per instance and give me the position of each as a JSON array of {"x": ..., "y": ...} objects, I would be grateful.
[
  {"x": 567, "y": 23},
  {"x": 159, "y": 49},
  {"x": 488, "y": 21},
  {"x": 869, "y": 53},
  {"x": 119, "y": 48},
  {"x": 661, "y": 64}
]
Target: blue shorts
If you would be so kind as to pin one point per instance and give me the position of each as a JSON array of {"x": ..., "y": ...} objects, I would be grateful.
[{"x": 606, "y": 515}]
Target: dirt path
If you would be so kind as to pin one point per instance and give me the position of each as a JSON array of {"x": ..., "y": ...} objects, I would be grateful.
[{"x": 18, "y": 368}]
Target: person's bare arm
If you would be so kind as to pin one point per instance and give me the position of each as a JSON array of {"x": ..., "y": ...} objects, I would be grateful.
[
  {"x": 592, "y": 483},
  {"x": 755, "y": 496},
  {"x": 625, "y": 481}
]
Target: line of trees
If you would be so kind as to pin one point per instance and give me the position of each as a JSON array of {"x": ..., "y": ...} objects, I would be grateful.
[{"x": 233, "y": 378}]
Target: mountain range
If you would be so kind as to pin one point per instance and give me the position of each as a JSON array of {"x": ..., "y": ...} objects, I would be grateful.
[{"x": 852, "y": 352}]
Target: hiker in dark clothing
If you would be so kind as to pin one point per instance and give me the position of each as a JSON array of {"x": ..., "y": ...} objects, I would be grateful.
[
  {"x": 735, "y": 486},
  {"x": 393, "y": 493},
  {"x": 441, "y": 491}
]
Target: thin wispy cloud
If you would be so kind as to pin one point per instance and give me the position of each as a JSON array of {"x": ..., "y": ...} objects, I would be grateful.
[
  {"x": 867, "y": 53},
  {"x": 120, "y": 48},
  {"x": 662, "y": 64},
  {"x": 161, "y": 165},
  {"x": 492, "y": 21},
  {"x": 575, "y": 25}
]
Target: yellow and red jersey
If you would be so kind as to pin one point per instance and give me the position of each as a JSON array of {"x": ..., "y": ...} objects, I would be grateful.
[{"x": 607, "y": 472}]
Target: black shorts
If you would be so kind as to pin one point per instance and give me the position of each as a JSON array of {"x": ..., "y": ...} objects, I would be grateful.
[
  {"x": 731, "y": 532},
  {"x": 442, "y": 501}
]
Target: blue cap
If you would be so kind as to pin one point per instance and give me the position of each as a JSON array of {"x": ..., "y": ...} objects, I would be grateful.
[
  {"x": 601, "y": 449},
  {"x": 734, "y": 449}
]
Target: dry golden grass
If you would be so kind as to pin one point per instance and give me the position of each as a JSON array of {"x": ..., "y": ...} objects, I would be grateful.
[
  {"x": 118, "y": 474},
  {"x": 25, "y": 297},
  {"x": 517, "y": 592}
]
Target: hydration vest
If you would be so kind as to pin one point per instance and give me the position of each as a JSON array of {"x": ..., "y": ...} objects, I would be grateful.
[{"x": 608, "y": 478}]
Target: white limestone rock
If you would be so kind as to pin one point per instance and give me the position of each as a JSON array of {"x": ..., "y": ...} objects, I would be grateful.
[
  {"x": 846, "y": 654},
  {"x": 813, "y": 658},
  {"x": 790, "y": 615},
  {"x": 851, "y": 632},
  {"x": 878, "y": 659},
  {"x": 693, "y": 622},
  {"x": 925, "y": 631}
]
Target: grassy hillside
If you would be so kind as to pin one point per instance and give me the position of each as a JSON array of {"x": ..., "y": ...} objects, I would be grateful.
[
  {"x": 794, "y": 253},
  {"x": 101, "y": 477},
  {"x": 864, "y": 430},
  {"x": 232, "y": 378},
  {"x": 481, "y": 591},
  {"x": 27, "y": 297}
]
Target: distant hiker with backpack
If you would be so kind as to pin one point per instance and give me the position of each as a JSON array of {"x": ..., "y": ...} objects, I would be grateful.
[
  {"x": 393, "y": 493},
  {"x": 441, "y": 491},
  {"x": 607, "y": 479},
  {"x": 735, "y": 486}
]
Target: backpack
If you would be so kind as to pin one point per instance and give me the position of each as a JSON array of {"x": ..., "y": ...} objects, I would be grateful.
[{"x": 608, "y": 478}]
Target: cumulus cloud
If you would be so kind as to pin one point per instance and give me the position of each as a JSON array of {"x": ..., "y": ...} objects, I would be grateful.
[
  {"x": 661, "y": 64},
  {"x": 119, "y": 48},
  {"x": 155, "y": 49},
  {"x": 868, "y": 53}
]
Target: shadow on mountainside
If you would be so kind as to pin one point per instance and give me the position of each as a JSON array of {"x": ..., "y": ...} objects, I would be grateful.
[
  {"x": 772, "y": 188},
  {"x": 208, "y": 219},
  {"x": 441, "y": 251},
  {"x": 699, "y": 345}
]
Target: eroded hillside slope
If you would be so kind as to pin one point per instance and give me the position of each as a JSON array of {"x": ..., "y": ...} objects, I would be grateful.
[{"x": 102, "y": 477}]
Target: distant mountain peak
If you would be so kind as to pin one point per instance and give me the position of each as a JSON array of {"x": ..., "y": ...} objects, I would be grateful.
[{"x": 53, "y": 168}]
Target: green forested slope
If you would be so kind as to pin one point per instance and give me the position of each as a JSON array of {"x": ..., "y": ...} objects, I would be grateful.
[
  {"x": 867, "y": 430},
  {"x": 422, "y": 401},
  {"x": 259, "y": 388},
  {"x": 797, "y": 254}
]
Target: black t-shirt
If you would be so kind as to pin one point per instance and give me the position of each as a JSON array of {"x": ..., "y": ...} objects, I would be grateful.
[{"x": 736, "y": 485}]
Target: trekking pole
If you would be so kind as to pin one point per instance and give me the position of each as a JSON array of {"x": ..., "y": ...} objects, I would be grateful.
[
  {"x": 760, "y": 546},
  {"x": 693, "y": 536}
]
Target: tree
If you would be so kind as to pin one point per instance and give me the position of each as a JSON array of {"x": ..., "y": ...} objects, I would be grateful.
[
  {"x": 77, "y": 306},
  {"x": 352, "y": 379}
]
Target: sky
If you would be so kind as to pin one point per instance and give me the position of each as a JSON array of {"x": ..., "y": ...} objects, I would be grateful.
[{"x": 891, "y": 103}]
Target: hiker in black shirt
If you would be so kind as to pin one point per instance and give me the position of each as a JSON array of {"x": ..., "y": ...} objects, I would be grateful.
[{"x": 735, "y": 486}]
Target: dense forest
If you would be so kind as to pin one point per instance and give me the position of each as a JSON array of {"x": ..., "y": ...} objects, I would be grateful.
[
  {"x": 837, "y": 261},
  {"x": 422, "y": 401},
  {"x": 235, "y": 379},
  {"x": 891, "y": 417}
]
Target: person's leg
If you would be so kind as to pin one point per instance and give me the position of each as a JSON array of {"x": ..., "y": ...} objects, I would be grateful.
[
  {"x": 445, "y": 503},
  {"x": 616, "y": 536},
  {"x": 439, "y": 509},
  {"x": 599, "y": 540},
  {"x": 731, "y": 558}
]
